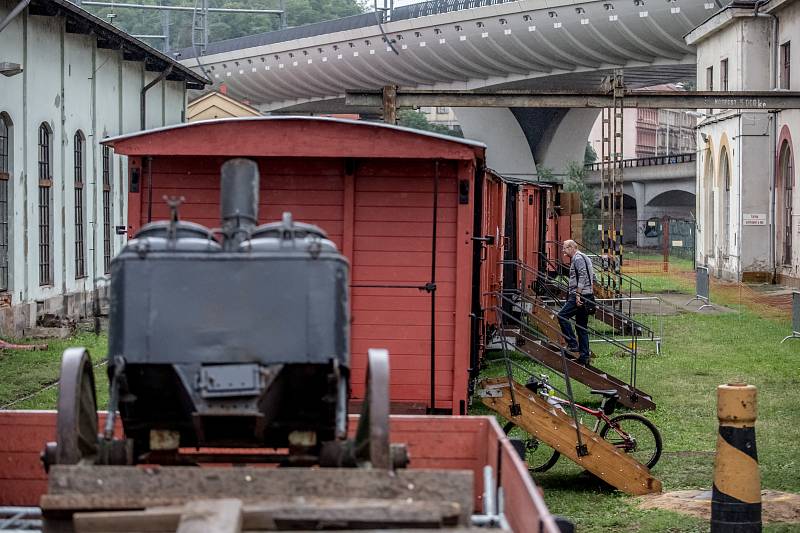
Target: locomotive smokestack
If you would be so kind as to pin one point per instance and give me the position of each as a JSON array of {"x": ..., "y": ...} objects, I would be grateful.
[{"x": 239, "y": 200}]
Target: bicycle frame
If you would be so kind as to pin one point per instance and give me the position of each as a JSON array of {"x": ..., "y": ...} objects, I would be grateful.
[{"x": 628, "y": 444}]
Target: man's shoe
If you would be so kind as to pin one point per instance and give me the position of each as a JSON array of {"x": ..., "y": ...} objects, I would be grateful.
[{"x": 583, "y": 361}]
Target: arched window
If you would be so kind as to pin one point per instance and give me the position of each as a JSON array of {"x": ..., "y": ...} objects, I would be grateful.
[
  {"x": 5, "y": 179},
  {"x": 107, "y": 165},
  {"x": 784, "y": 192},
  {"x": 710, "y": 215},
  {"x": 725, "y": 182},
  {"x": 79, "y": 165},
  {"x": 45, "y": 205}
]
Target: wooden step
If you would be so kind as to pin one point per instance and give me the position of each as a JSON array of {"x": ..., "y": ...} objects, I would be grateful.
[
  {"x": 590, "y": 376},
  {"x": 554, "y": 427}
]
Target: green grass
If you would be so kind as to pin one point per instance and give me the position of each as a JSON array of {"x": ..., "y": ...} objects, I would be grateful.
[
  {"x": 699, "y": 353},
  {"x": 24, "y": 373},
  {"x": 665, "y": 283}
]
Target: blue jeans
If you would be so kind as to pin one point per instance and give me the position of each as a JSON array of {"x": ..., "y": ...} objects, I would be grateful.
[{"x": 571, "y": 309}]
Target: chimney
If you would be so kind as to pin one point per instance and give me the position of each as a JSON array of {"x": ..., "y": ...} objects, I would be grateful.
[{"x": 239, "y": 200}]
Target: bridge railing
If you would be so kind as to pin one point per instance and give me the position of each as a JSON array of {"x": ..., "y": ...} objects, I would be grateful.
[
  {"x": 362, "y": 20},
  {"x": 434, "y": 7},
  {"x": 650, "y": 161}
]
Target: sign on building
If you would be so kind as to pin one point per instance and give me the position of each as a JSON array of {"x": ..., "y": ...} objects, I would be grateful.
[{"x": 754, "y": 219}]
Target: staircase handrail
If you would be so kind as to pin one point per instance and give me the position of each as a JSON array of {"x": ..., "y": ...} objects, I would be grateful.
[
  {"x": 629, "y": 280},
  {"x": 626, "y": 319},
  {"x": 581, "y": 448},
  {"x": 632, "y": 350}
]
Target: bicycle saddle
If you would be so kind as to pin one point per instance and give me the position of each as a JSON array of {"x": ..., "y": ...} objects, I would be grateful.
[{"x": 606, "y": 393}]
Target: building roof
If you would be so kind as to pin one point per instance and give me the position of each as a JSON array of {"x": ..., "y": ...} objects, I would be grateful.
[
  {"x": 81, "y": 21},
  {"x": 212, "y": 99},
  {"x": 289, "y": 136},
  {"x": 725, "y": 16}
]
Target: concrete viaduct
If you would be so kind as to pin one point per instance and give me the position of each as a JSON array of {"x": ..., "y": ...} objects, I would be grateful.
[
  {"x": 654, "y": 187},
  {"x": 469, "y": 44}
]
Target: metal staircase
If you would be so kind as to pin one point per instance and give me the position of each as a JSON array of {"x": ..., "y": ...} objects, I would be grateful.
[{"x": 537, "y": 334}]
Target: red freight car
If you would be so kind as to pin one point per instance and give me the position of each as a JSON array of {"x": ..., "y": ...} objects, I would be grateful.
[{"x": 402, "y": 205}]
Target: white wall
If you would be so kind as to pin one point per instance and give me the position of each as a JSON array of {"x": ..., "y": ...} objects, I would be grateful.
[
  {"x": 71, "y": 85},
  {"x": 746, "y": 42},
  {"x": 789, "y": 30}
]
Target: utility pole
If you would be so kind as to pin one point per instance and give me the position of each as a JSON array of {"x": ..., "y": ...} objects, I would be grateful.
[{"x": 611, "y": 184}]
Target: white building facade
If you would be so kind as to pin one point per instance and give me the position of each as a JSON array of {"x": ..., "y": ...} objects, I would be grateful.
[
  {"x": 747, "y": 205},
  {"x": 70, "y": 80}
]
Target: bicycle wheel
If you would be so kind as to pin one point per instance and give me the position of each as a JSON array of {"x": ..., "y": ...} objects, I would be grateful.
[
  {"x": 635, "y": 435},
  {"x": 539, "y": 456}
]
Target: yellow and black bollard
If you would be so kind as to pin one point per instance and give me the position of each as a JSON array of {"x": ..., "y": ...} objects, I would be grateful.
[{"x": 736, "y": 497}]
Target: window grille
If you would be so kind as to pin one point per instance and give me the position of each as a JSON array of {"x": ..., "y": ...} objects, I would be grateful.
[
  {"x": 80, "y": 254},
  {"x": 106, "y": 209},
  {"x": 5, "y": 175},
  {"x": 45, "y": 201},
  {"x": 785, "y": 53}
]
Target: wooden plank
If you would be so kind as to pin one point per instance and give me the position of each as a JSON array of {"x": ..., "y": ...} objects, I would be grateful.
[
  {"x": 550, "y": 326},
  {"x": 120, "y": 488},
  {"x": 286, "y": 514},
  {"x": 557, "y": 429}
]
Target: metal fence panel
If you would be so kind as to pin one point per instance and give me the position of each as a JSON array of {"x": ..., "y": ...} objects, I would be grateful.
[{"x": 702, "y": 283}]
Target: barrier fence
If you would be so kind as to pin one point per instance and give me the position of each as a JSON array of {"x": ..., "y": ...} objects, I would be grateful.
[
  {"x": 795, "y": 318},
  {"x": 702, "y": 291}
]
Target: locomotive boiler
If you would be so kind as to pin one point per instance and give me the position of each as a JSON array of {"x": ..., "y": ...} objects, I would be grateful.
[{"x": 229, "y": 338}]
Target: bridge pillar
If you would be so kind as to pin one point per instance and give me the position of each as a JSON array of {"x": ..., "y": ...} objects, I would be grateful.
[
  {"x": 508, "y": 151},
  {"x": 640, "y": 195}
]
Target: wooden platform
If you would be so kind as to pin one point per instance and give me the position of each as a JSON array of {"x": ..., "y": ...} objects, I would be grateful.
[
  {"x": 557, "y": 429},
  {"x": 434, "y": 442},
  {"x": 268, "y": 498}
]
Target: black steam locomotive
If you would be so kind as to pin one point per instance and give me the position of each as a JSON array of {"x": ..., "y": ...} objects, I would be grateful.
[{"x": 235, "y": 338}]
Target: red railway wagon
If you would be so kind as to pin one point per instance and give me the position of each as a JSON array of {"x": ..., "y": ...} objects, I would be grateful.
[
  {"x": 467, "y": 443},
  {"x": 422, "y": 263}
]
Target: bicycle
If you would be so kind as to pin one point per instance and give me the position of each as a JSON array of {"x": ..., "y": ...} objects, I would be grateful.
[{"x": 629, "y": 432}]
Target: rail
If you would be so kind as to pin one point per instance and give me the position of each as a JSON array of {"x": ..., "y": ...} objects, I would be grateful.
[
  {"x": 362, "y": 20},
  {"x": 435, "y": 7},
  {"x": 502, "y": 315},
  {"x": 632, "y": 283},
  {"x": 525, "y": 305},
  {"x": 651, "y": 328},
  {"x": 524, "y": 301},
  {"x": 651, "y": 161},
  {"x": 610, "y": 309},
  {"x": 559, "y": 267}
]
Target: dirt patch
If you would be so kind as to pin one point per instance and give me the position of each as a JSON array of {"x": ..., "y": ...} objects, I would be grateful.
[{"x": 776, "y": 506}]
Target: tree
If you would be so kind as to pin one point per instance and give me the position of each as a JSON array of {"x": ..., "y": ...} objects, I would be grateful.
[
  {"x": 418, "y": 121},
  {"x": 544, "y": 173},
  {"x": 223, "y": 26},
  {"x": 589, "y": 155},
  {"x": 576, "y": 182}
]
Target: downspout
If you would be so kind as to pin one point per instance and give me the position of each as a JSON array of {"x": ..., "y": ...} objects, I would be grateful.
[
  {"x": 13, "y": 14},
  {"x": 143, "y": 102},
  {"x": 773, "y": 135}
]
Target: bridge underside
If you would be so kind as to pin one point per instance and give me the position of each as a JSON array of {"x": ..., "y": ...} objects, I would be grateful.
[{"x": 482, "y": 44}]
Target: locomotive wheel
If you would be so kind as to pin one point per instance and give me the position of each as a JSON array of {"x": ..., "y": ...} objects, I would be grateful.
[
  {"x": 76, "y": 424},
  {"x": 378, "y": 396}
]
